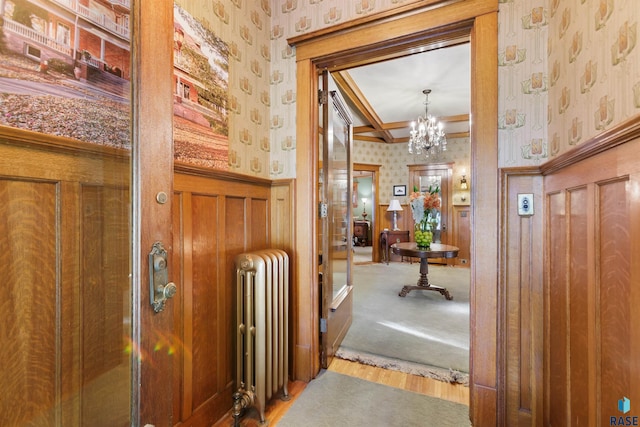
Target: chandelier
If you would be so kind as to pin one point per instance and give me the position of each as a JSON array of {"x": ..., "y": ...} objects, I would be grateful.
[{"x": 427, "y": 137}]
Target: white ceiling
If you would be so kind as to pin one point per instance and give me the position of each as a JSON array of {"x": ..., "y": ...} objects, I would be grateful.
[{"x": 391, "y": 91}]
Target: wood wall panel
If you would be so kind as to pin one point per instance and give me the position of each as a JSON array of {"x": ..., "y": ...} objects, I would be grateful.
[
  {"x": 206, "y": 289},
  {"x": 28, "y": 347},
  {"x": 617, "y": 376},
  {"x": 462, "y": 234},
  {"x": 217, "y": 217},
  {"x": 281, "y": 207},
  {"x": 522, "y": 299},
  {"x": 105, "y": 304},
  {"x": 64, "y": 246},
  {"x": 556, "y": 325},
  {"x": 580, "y": 313},
  {"x": 592, "y": 347},
  {"x": 259, "y": 223}
]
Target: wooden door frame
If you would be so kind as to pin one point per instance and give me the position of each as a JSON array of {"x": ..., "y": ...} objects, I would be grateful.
[
  {"x": 152, "y": 175},
  {"x": 393, "y": 34}
]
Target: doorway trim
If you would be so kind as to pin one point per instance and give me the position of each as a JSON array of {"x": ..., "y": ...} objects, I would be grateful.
[{"x": 436, "y": 26}]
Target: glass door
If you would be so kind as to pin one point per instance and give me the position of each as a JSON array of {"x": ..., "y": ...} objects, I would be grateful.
[
  {"x": 336, "y": 219},
  {"x": 85, "y": 187}
]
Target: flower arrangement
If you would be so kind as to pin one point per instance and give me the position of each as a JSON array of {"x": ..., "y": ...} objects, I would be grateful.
[
  {"x": 424, "y": 209},
  {"x": 424, "y": 206}
]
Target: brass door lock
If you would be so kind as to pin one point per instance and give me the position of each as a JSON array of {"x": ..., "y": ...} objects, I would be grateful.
[{"x": 160, "y": 289}]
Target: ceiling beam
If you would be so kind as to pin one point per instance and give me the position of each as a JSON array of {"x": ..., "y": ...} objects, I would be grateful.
[
  {"x": 369, "y": 138},
  {"x": 351, "y": 90}
]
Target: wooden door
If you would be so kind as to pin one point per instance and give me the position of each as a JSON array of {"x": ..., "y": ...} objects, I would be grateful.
[
  {"x": 337, "y": 184},
  {"x": 80, "y": 342},
  {"x": 423, "y": 177}
]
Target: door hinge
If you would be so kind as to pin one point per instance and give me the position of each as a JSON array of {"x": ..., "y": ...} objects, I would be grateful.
[
  {"x": 323, "y": 97},
  {"x": 323, "y": 325}
]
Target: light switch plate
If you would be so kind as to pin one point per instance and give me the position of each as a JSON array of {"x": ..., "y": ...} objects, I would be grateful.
[{"x": 525, "y": 204}]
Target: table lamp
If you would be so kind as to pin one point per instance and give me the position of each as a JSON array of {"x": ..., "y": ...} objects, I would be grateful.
[
  {"x": 394, "y": 206},
  {"x": 364, "y": 208}
]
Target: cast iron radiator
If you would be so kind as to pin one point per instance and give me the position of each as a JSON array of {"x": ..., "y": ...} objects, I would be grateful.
[{"x": 262, "y": 281}]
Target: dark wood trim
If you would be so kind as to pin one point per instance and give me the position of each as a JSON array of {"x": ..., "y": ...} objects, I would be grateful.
[
  {"x": 205, "y": 172},
  {"x": 444, "y": 36},
  {"x": 58, "y": 144},
  {"x": 622, "y": 133},
  {"x": 373, "y": 19},
  {"x": 152, "y": 173}
]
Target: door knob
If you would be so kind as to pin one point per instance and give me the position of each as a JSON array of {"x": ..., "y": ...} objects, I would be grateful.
[{"x": 160, "y": 289}]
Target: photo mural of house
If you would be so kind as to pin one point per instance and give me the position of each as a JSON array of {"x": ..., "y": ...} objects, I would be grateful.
[
  {"x": 201, "y": 73},
  {"x": 65, "y": 69}
]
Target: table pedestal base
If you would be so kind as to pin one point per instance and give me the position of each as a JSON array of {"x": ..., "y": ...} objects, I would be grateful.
[{"x": 423, "y": 283}]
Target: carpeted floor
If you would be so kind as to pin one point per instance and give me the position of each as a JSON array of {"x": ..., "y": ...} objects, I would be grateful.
[
  {"x": 422, "y": 333},
  {"x": 362, "y": 254},
  {"x": 334, "y": 399}
]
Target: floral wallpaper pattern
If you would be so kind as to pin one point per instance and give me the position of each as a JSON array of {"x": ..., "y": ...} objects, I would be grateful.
[
  {"x": 523, "y": 82},
  {"x": 568, "y": 70},
  {"x": 594, "y": 68},
  {"x": 395, "y": 160}
]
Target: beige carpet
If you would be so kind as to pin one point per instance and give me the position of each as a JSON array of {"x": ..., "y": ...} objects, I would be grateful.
[
  {"x": 333, "y": 399},
  {"x": 422, "y": 333},
  {"x": 362, "y": 254}
]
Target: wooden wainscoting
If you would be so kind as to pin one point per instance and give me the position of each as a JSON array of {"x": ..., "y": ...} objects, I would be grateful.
[
  {"x": 461, "y": 226},
  {"x": 521, "y": 330},
  {"x": 217, "y": 216},
  {"x": 64, "y": 249},
  {"x": 592, "y": 286},
  {"x": 63, "y": 208}
]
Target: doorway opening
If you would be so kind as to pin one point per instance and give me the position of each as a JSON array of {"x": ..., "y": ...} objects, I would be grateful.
[
  {"x": 399, "y": 323},
  {"x": 365, "y": 201},
  {"x": 396, "y": 36}
]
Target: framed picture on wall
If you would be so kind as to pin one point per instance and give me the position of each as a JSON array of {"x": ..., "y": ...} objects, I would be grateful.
[{"x": 399, "y": 190}]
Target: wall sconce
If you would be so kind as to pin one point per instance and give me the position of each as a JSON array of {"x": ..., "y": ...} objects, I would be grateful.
[
  {"x": 463, "y": 183},
  {"x": 364, "y": 208},
  {"x": 394, "y": 206}
]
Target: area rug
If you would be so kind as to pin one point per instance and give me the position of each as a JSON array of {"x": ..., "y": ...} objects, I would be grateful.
[
  {"x": 333, "y": 399},
  {"x": 421, "y": 333}
]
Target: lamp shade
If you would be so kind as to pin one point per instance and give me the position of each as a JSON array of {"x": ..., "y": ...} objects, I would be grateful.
[{"x": 394, "y": 206}]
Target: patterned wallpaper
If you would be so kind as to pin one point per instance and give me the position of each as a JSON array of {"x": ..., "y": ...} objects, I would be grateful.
[
  {"x": 594, "y": 68},
  {"x": 395, "y": 160},
  {"x": 291, "y": 18},
  {"x": 522, "y": 82},
  {"x": 567, "y": 71}
]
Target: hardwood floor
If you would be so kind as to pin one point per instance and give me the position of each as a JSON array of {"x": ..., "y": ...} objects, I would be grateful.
[{"x": 427, "y": 386}]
